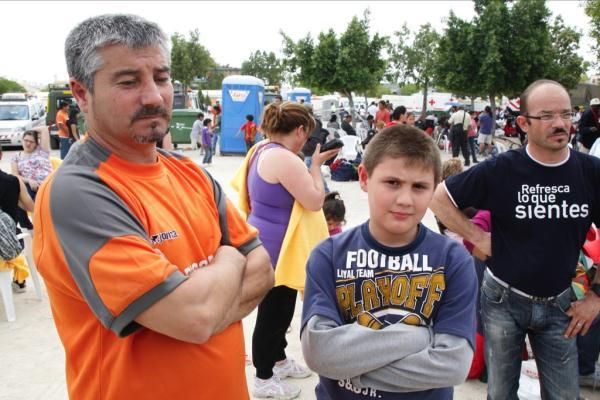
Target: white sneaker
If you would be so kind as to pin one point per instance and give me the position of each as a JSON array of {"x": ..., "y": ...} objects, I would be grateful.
[
  {"x": 274, "y": 388},
  {"x": 290, "y": 368}
]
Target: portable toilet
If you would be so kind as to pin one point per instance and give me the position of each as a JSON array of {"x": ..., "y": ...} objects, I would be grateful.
[
  {"x": 298, "y": 94},
  {"x": 242, "y": 95}
]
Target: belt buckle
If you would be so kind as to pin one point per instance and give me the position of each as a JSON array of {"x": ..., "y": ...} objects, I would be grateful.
[{"x": 542, "y": 299}]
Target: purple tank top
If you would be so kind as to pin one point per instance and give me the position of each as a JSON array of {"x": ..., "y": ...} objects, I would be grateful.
[{"x": 271, "y": 206}]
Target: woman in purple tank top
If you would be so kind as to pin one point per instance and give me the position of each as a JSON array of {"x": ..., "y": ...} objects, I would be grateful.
[{"x": 276, "y": 178}]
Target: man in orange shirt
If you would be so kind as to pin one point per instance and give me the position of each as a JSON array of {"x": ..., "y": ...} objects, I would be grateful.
[
  {"x": 62, "y": 118},
  {"x": 149, "y": 269},
  {"x": 383, "y": 114}
]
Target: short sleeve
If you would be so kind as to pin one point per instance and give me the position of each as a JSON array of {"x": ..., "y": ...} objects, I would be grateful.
[
  {"x": 107, "y": 251},
  {"x": 319, "y": 293},
  {"x": 61, "y": 118},
  {"x": 470, "y": 188}
]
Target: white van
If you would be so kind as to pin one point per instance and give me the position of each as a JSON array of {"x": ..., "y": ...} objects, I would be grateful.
[{"x": 18, "y": 113}]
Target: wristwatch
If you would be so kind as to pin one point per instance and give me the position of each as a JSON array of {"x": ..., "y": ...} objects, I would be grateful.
[{"x": 596, "y": 289}]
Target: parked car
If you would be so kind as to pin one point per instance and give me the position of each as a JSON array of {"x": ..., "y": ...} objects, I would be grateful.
[{"x": 18, "y": 113}]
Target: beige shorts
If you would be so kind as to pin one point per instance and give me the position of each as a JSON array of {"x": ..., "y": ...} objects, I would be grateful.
[{"x": 484, "y": 139}]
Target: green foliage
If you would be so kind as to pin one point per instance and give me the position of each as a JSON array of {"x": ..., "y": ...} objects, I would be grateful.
[
  {"x": 409, "y": 88},
  {"x": 415, "y": 57},
  {"x": 7, "y": 86},
  {"x": 592, "y": 10},
  {"x": 265, "y": 66},
  {"x": 298, "y": 61},
  {"x": 508, "y": 45},
  {"x": 456, "y": 57},
  {"x": 189, "y": 59},
  {"x": 213, "y": 80},
  {"x": 378, "y": 91},
  {"x": 349, "y": 63},
  {"x": 530, "y": 53},
  {"x": 491, "y": 40},
  {"x": 566, "y": 66}
]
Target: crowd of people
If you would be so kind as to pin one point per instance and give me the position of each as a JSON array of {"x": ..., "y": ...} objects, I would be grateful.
[{"x": 148, "y": 289}]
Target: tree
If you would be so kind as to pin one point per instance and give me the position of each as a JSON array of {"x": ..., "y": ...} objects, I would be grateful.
[
  {"x": 407, "y": 89},
  {"x": 350, "y": 63},
  {"x": 6, "y": 85},
  {"x": 214, "y": 79},
  {"x": 189, "y": 59},
  {"x": 505, "y": 48},
  {"x": 457, "y": 62},
  {"x": 566, "y": 66},
  {"x": 530, "y": 53},
  {"x": 298, "y": 61},
  {"x": 592, "y": 10},
  {"x": 491, "y": 49},
  {"x": 416, "y": 59},
  {"x": 265, "y": 66}
]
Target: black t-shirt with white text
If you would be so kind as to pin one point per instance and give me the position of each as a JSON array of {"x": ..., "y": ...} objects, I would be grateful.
[{"x": 540, "y": 215}]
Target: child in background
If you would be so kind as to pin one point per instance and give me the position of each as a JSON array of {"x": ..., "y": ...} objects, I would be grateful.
[
  {"x": 206, "y": 136},
  {"x": 335, "y": 212},
  {"x": 453, "y": 166},
  {"x": 249, "y": 129}
]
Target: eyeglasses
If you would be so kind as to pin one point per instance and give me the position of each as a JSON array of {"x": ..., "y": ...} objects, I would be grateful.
[
  {"x": 546, "y": 117},
  {"x": 29, "y": 141}
]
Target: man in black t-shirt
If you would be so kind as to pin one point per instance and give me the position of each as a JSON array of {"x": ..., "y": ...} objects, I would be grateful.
[{"x": 542, "y": 198}]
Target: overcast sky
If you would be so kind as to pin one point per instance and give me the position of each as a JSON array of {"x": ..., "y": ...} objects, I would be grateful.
[{"x": 32, "y": 34}]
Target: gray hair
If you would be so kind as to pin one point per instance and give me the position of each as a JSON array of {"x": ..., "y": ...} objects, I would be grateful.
[{"x": 86, "y": 39}]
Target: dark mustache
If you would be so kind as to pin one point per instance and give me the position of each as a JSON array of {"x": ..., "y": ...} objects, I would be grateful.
[
  {"x": 150, "y": 112},
  {"x": 558, "y": 130}
]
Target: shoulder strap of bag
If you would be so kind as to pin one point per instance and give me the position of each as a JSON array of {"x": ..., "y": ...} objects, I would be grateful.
[{"x": 221, "y": 207}]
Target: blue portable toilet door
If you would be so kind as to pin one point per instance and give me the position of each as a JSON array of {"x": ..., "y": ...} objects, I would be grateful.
[{"x": 239, "y": 100}]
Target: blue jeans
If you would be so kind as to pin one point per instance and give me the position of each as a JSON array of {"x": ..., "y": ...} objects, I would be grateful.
[
  {"x": 207, "y": 155},
  {"x": 472, "y": 147},
  {"x": 65, "y": 146},
  {"x": 507, "y": 318},
  {"x": 588, "y": 347},
  {"x": 215, "y": 139}
]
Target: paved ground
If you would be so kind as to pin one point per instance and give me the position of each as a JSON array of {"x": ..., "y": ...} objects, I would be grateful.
[{"x": 32, "y": 356}]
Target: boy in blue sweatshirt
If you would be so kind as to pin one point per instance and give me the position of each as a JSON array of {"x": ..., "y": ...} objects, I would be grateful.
[{"x": 389, "y": 307}]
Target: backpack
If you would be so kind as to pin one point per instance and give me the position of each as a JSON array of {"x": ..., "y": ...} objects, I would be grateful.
[
  {"x": 343, "y": 170},
  {"x": 10, "y": 246}
]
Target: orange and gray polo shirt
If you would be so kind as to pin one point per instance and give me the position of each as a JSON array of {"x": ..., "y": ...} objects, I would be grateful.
[{"x": 111, "y": 239}]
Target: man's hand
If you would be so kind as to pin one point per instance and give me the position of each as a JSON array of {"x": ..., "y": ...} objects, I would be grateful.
[
  {"x": 229, "y": 255},
  {"x": 583, "y": 313},
  {"x": 483, "y": 245}
]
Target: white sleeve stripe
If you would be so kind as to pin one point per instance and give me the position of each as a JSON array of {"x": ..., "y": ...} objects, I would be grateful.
[{"x": 449, "y": 195}]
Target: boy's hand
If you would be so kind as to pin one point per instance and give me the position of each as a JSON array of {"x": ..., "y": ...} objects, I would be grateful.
[{"x": 319, "y": 158}]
